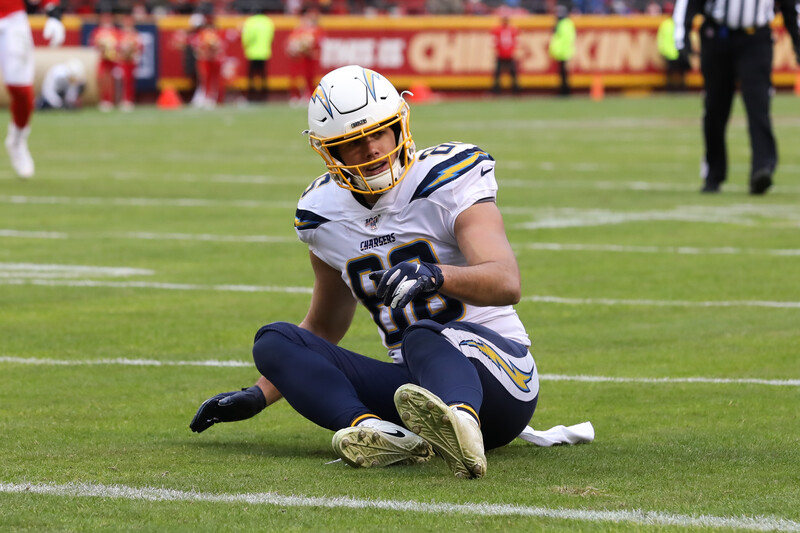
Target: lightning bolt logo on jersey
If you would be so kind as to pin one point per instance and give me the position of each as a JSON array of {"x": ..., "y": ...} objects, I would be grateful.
[{"x": 419, "y": 215}]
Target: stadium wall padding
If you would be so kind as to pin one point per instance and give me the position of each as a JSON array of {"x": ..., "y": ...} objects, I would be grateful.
[{"x": 444, "y": 52}]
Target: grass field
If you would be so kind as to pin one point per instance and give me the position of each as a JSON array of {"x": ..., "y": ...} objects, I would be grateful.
[{"x": 137, "y": 265}]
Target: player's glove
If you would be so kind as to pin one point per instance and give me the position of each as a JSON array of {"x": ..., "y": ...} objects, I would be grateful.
[
  {"x": 229, "y": 407},
  {"x": 54, "y": 31},
  {"x": 399, "y": 285}
]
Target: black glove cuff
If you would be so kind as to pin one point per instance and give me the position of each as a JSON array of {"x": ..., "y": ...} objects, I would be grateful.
[
  {"x": 258, "y": 397},
  {"x": 54, "y": 11},
  {"x": 437, "y": 275}
]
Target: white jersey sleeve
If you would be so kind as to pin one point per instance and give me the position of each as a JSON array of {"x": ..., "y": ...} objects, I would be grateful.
[{"x": 456, "y": 176}]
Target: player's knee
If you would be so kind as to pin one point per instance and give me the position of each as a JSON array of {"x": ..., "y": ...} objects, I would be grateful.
[
  {"x": 273, "y": 345},
  {"x": 418, "y": 337},
  {"x": 425, "y": 325}
]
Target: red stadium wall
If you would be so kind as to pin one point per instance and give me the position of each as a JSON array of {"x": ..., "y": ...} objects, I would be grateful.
[{"x": 452, "y": 53}]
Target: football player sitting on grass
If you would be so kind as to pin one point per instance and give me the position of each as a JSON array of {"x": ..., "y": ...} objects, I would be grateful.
[{"x": 418, "y": 239}]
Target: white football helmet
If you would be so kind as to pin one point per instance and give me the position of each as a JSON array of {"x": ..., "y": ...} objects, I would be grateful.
[
  {"x": 350, "y": 103},
  {"x": 77, "y": 72}
]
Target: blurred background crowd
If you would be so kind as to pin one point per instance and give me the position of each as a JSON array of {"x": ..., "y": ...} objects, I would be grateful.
[{"x": 157, "y": 8}]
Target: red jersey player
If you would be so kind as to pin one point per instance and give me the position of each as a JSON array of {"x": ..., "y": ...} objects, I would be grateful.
[
  {"x": 505, "y": 43},
  {"x": 303, "y": 48},
  {"x": 209, "y": 49},
  {"x": 105, "y": 38},
  {"x": 16, "y": 62},
  {"x": 130, "y": 52}
]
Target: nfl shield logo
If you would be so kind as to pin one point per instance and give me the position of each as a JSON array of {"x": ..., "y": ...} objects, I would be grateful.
[{"x": 372, "y": 222}]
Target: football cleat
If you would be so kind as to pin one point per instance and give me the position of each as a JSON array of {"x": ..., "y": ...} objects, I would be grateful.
[
  {"x": 17, "y": 148},
  {"x": 454, "y": 435},
  {"x": 383, "y": 444}
]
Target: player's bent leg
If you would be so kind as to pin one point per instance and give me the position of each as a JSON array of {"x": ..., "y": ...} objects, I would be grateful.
[
  {"x": 508, "y": 379},
  {"x": 453, "y": 434},
  {"x": 382, "y": 443},
  {"x": 327, "y": 384}
]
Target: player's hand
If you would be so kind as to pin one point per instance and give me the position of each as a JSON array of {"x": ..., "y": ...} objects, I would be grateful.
[
  {"x": 399, "y": 285},
  {"x": 228, "y": 407},
  {"x": 54, "y": 32}
]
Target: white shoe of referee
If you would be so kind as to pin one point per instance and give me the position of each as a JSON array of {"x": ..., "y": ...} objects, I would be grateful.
[
  {"x": 454, "y": 434},
  {"x": 377, "y": 442},
  {"x": 17, "y": 148}
]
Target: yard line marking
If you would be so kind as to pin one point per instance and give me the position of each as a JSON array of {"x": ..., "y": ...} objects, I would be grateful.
[
  {"x": 35, "y": 270},
  {"x": 720, "y": 381},
  {"x": 739, "y": 214},
  {"x": 203, "y": 237},
  {"x": 143, "y": 202},
  {"x": 33, "y": 234},
  {"x": 680, "y": 250},
  {"x": 644, "y": 186},
  {"x": 308, "y": 290},
  {"x": 144, "y": 235},
  {"x": 122, "y": 361},
  {"x": 660, "y": 303},
  {"x": 634, "y": 516},
  {"x": 195, "y": 178},
  {"x": 549, "y": 246},
  {"x": 153, "y": 285}
]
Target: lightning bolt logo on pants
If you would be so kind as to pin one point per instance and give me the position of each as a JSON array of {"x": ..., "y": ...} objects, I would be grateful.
[{"x": 519, "y": 377}]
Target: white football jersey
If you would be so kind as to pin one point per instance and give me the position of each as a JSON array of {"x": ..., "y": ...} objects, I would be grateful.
[{"x": 414, "y": 220}]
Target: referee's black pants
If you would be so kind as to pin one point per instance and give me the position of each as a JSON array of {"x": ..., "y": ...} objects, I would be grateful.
[{"x": 728, "y": 56}]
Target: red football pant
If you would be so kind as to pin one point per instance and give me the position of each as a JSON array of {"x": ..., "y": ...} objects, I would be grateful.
[
  {"x": 128, "y": 81},
  {"x": 211, "y": 76},
  {"x": 105, "y": 80},
  {"x": 302, "y": 69},
  {"x": 21, "y": 97}
]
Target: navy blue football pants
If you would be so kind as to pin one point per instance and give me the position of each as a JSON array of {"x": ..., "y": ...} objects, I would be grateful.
[{"x": 332, "y": 386}]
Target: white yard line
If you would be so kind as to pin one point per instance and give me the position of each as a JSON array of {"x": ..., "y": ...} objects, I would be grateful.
[
  {"x": 549, "y": 246},
  {"x": 661, "y": 303},
  {"x": 37, "y": 270},
  {"x": 142, "y": 202},
  {"x": 678, "y": 250},
  {"x": 148, "y": 236},
  {"x": 45, "y": 282},
  {"x": 153, "y": 285},
  {"x": 121, "y": 361},
  {"x": 634, "y": 516}
]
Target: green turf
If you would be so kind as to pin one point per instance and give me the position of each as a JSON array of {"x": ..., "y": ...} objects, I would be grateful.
[{"x": 168, "y": 191}]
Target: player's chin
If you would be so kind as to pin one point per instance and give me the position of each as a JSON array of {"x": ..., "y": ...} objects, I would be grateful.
[{"x": 369, "y": 172}]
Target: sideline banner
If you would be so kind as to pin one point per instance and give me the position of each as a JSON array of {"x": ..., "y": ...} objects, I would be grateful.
[{"x": 453, "y": 53}]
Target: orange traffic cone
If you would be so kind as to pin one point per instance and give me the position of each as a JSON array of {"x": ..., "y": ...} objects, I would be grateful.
[
  {"x": 420, "y": 92},
  {"x": 169, "y": 99},
  {"x": 797, "y": 84},
  {"x": 597, "y": 91}
]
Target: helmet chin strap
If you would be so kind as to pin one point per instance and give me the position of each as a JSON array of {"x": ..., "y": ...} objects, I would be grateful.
[{"x": 387, "y": 174}]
